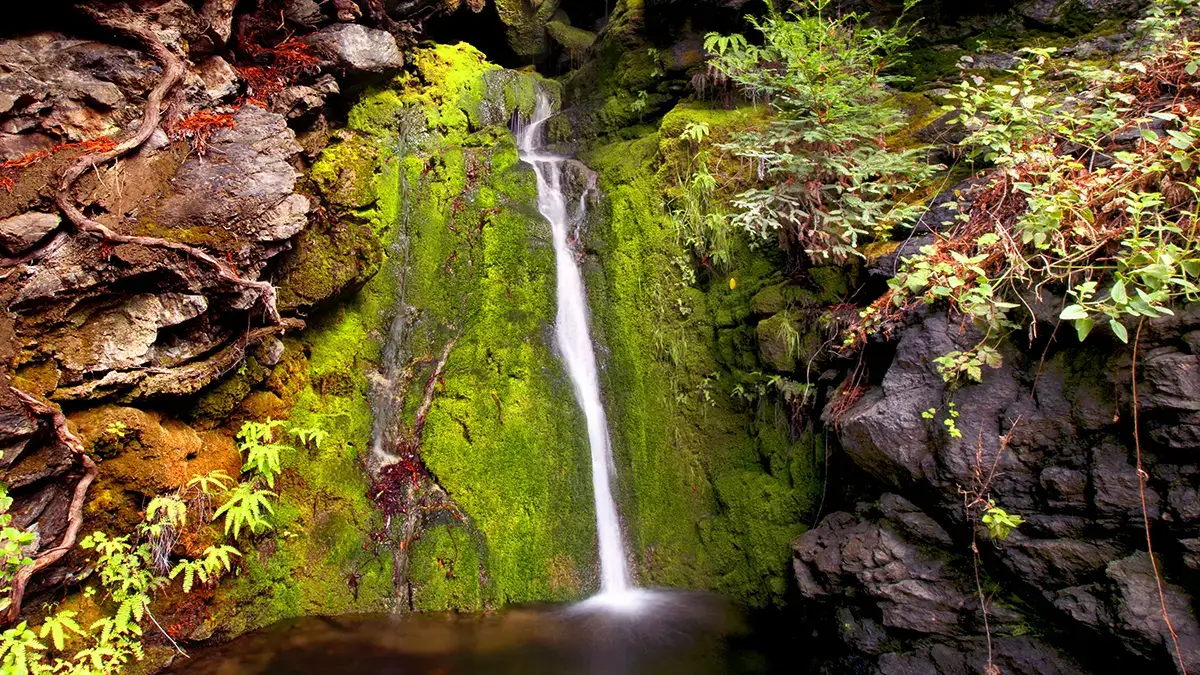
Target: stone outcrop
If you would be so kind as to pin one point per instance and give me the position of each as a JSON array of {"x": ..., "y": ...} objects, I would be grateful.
[
  {"x": 1048, "y": 435},
  {"x": 357, "y": 49}
]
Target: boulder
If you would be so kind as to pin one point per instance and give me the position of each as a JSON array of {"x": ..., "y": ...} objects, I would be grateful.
[
  {"x": 353, "y": 48},
  {"x": 20, "y": 233}
]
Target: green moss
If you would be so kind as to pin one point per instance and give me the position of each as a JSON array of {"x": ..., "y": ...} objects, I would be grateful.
[
  {"x": 503, "y": 436},
  {"x": 328, "y": 262},
  {"x": 218, "y": 401},
  {"x": 570, "y": 37},
  {"x": 712, "y": 495},
  {"x": 446, "y": 571}
]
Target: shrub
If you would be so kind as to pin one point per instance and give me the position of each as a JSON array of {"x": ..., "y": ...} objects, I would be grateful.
[{"x": 826, "y": 177}]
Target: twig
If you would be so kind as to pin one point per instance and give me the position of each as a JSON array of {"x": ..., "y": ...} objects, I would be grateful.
[
  {"x": 987, "y": 629},
  {"x": 165, "y": 633},
  {"x": 74, "y": 514},
  {"x": 1142, "y": 477}
]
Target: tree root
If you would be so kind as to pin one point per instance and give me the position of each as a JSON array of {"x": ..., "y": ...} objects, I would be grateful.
[
  {"x": 172, "y": 74},
  {"x": 74, "y": 515}
]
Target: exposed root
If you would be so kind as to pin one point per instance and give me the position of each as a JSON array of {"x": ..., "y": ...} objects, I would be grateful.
[
  {"x": 74, "y": 515},
  {"x": 172, "y": 73},
  {"x": 1142, "y": 478}
]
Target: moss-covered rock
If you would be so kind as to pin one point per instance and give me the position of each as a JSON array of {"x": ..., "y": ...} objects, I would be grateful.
[
  {"x": 712, "y": 492},
  {"x": 569, "y": 37},
  {"x": 526, "y": 23}
]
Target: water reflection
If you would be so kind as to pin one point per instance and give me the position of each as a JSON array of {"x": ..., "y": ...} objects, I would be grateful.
[{"x": 670, "y": 633}]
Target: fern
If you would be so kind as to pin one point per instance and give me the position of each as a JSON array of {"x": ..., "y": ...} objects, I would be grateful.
[
  {"x": 256, "y": 439},
  {"x": 166, "y": 511},
  {"x": 58, "y": 626},
  {"x": 246, "y": 508},
  {"x": 212, "y": 482},
  {"x": 306, "y": 435}
]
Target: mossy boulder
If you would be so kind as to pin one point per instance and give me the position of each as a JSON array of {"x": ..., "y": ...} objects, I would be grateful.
[{"x": 329, "y": 262}]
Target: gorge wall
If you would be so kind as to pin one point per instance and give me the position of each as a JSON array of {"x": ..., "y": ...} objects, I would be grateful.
[{"x": 371, "y": 178}]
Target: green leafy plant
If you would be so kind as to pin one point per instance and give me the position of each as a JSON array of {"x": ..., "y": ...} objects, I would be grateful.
[
  {"x": 999, "y": 522},
  {"x": 950, "y": 421},
  {"x": 825, "y": 178},
  {"x": 257, "y": 440},
  {"x": 248, "y": 508},
  {"x": 314, "y": 436},
  {"x": 1091, "y": 193},
  {"x": 208, "y": 568},
  {"x": 13, "y": 541}
]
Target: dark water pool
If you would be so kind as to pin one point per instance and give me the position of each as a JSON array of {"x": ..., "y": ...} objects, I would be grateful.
[{"x": 668, "y": 633}]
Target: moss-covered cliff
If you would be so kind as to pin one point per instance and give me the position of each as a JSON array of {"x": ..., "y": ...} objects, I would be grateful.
[{"x": 713, "y": 487}]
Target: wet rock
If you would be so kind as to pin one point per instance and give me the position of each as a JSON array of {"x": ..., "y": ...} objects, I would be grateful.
[
  {"x": 67, "y": 88},
  {"x": 218, "y": 15},
  {"x": 353, "y": 48},
  {"x": 124, "y": 337},
  {"x": 241, "y": 191},
  {"x": 1072, "y": 14},
  {"x": 299, "y": 101},
  {"x": 20, "y": 233}
]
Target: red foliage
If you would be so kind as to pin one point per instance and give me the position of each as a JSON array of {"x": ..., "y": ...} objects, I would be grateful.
[
  {"x": 389, "y": 490},
  {"x": 199, "y": 127},
  {"x": 10, "y": 167},
  {"x": 289, "y": 60}
]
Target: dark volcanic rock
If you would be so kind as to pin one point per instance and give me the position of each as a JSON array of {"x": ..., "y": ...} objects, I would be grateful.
[
  {"x": 901, "y": 601},
  {"x": 1047, "y": 437}
]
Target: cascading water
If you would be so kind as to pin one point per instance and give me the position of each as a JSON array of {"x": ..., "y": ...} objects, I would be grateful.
[{"x": 575, "y": 343}]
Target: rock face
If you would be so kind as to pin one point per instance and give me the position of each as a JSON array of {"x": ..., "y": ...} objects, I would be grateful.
[
  {"x": 358, "y": 49},
  {"x": 57, "y": 88},
  {"x": 909, "y": 609},
  {"x": 1049, "y": 441},
  {"x": 96, "y": 321}
]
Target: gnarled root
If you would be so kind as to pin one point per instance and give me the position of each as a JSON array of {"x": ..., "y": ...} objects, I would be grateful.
[
  {"x": 172, "y": 73},
  {"x": 74, "y": 515}
]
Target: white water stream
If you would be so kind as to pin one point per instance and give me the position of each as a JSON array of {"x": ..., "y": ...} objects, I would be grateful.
[{"x": 575, "y": 343}]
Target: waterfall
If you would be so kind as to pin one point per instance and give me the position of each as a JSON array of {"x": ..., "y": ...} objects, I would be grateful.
[{"x": 575, "y": 344}]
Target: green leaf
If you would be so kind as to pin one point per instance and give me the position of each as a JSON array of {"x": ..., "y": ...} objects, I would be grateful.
[
  {"x": 1119, "y": 330},
  {"x": 1073, "y": 312},
  {"x": 1118, "y": 292},
  {"x": 1083, "y": 327}
]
